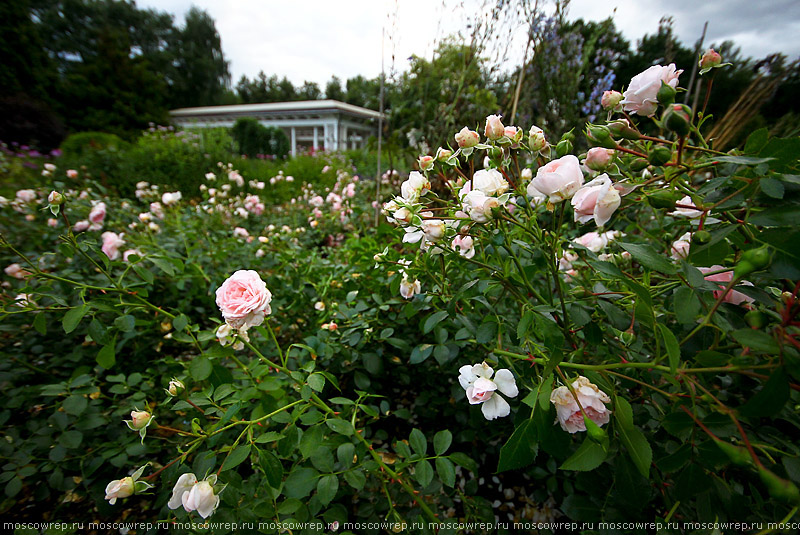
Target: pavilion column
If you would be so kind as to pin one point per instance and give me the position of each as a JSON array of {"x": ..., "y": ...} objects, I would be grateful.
[
  {"x": 346, "y": 143},
  {"x": 294, "y": 142},
  {"x": 336, "y": 134},
  {"x": 316, "y": 141}
]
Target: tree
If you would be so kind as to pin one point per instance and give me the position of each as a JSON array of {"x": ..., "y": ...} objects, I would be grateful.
[
  {"x": 199, "y": 73},
  {"x": 363, "y": 92},
  {"x": 437, "y": 98},
  {"x": 309, "y": 91},
  {"x": 333, "y": 89}
]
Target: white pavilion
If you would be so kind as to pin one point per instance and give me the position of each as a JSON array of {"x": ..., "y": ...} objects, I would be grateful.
[{"x": 318, "y": 124}]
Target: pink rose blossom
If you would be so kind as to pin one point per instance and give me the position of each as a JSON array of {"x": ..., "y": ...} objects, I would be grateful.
[
  {"x": 611, "y": 100},
  {"x": 80, "y": 226},
  {"x": 467, "y": 138},
  {"x": 591, "y": 398},
  {"x": 494, "y": 128},
  {"x": 465, "y": 246},
  {"x": 724, "y": 278},
  {"x": 15, "y": 270},
  {"x": 111, "y": 244},
  {"x": 681, "y": 246},
  {"x": 244, "y": 299},
  {"x": 640, "y": 97},
  {"x": 559, "y": 179},
  {"x": 52, "y": 222},
  {"x": 598, "y": 158},
  {"x": 72, "y": 173},
  {"x": 710, "y": 59},
  {"x": 26, "y": 195},
  {"x": 98, "y": 213},
  {"x": 596, "y": 200}
]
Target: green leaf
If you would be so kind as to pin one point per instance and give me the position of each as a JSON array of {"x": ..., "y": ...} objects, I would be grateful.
[
  {"x": 756, "y": 141},
  {"x": 316, "y": 381},
  {"x": 464, "y": 460},
  {"x": 272, "y": 467},
  {"x": 300, "y": 483},
  {"x": 521, "y": 448},
  {"x": 326, "y": 488},
  {"x": 524, "y": 325},
  {"x": 40, "y": 323},
  {"x": 287, "y": 507},
  {"x": 587, "y": 457},
  {"x": 355, "y": 478},
  {"x": 686, "y": 305},
  {"x": 432, "y": 320},
  {"x": 648, "y": 257},
  {"x": 236, "y": 457},
  {"x": 75, "y": 404},
  {"x": 423, "y": 473},
  {"x": 442, "y": 441},
  {"x": 742, "y": 160},
  {"x": 269, "y": 436},
  {"x": 163, "y": 264},
  {"x": 312, "y": 438},
  {"x": 486, "y": 332},
  {"x": 633, "y": 439},
  {"x": 344, "y": 453},
  {"x": 771, "y": 398},
  {"x": 125, "y": 323},
  {"x": 673, "y": 348},
  {"x": 106, "y": 357},
  {"x": 638, "y": 448},
  {"x": 420, "y": 353},
  {"x": 446, "y": 471},
  {"x": 756, "y": 340},
  {"x": 71, "y": 439},
  {"x": 337, "y": 425},
  {"x": 623, "y": 412},
  {"x": 200, "y": 368},
  {"x": 772, "y": 187},
  {"x": 13, "y": 487},
  {"x": 74, "y": 317},
  {"x": 180, "y": 322},
  {"x": 418, "y": 442}
]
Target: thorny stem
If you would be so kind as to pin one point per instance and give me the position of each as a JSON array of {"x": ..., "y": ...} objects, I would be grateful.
[
  {"x": 711, "y": 312},
  {"x": 641, "y": 365}
]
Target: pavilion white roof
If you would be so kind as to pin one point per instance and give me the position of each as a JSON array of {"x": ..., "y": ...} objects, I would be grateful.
[{"x": 296, "y": 107}]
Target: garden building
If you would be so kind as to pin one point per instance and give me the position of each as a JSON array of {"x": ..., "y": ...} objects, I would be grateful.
[{"x": 317, "y": 124}]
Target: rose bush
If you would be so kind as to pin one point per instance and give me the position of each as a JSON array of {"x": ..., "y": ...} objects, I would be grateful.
[{"x": 251, "y": 401}]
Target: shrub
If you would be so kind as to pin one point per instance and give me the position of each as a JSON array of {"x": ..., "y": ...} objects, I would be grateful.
[
  {"x": 254, "y": 139},
  {"x": 178, "y": 160},
  {"x": 98, "y": 154}
]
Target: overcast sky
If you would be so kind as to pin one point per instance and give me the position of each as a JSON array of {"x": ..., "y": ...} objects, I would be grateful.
[{"x": 316, "y": 39}]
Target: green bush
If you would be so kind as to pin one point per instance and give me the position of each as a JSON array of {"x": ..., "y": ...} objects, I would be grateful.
[
  {"x": 178, "y": 160},
  {"x": 98, "y": 154},
  {"x": 256, "y": 139}
]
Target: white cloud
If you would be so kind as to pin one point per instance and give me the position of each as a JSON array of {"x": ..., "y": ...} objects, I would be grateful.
[{"x": 314, "y": 39}]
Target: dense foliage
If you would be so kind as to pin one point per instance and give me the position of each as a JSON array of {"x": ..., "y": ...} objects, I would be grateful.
[
  {"x": 255, "y": 139},
  {"x": 603, "y": 337}
]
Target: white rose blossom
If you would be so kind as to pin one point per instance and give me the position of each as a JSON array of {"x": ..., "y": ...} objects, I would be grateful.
[
  {"x": 195, "y": 495},
  {"x": 481, "y": 388}
]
